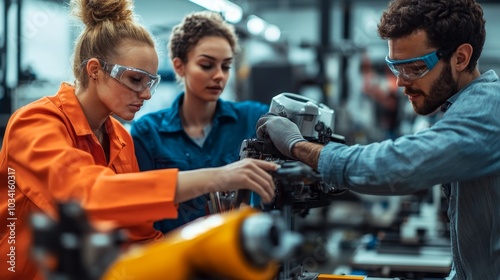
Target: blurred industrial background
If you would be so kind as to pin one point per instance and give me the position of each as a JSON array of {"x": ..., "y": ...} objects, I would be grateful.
[{"x": 327, "y": 50}]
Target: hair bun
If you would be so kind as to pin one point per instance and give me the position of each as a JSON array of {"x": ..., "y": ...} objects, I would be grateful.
[{"x": 94, "y": 12}]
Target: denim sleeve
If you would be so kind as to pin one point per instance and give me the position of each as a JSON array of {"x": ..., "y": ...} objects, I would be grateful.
[
  {"x": 462, "y": 145},
  {"x": 143, "y": 149}
]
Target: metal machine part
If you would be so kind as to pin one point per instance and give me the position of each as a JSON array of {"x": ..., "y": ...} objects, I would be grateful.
[
  {"x": 298, "y": 187},
  {"x": 265, "y": 238},
  {"x": 316, "y": 122},
  {"x": 71, "y": 249},
  {"x": 227, "y": 200}
]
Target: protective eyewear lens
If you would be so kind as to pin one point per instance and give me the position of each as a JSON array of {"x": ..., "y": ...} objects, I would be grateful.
[
  {"x": 137, "y": 80},
  {"x": 410, "y": 71},
  {"x": 133, "y": 78},
  {"x": 415, "y": 68}
]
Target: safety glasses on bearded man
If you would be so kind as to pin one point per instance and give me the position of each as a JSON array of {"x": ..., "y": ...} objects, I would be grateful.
[{"x": 415, "y": 68}]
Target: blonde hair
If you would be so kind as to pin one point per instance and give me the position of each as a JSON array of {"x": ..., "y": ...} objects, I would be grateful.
[{"x": 107, "y": 24}]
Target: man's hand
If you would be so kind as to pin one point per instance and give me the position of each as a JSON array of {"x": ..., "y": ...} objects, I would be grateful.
[{"x": 283, "y": 133}]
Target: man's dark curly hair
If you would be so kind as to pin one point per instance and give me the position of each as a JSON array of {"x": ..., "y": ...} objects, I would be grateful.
[{"x": 447, "y": 23}]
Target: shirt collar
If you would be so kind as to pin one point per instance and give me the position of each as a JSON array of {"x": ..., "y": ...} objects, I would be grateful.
[
  {"x": 71, "y": 107},
  {"x": 73, "y": 110},
  {"x": 171, "y": 121},
  {"x": 488, "y": 76}
]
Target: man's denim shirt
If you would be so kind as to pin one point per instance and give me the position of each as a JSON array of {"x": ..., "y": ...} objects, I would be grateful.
[
  {"x": 461, "y": 150},
  {"x": 160, "y": 142}
]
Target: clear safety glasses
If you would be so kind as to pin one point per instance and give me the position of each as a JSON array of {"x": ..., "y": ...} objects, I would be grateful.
[
  {"x": 133, "y": 78},
  {"x": 415, "y": 68}
]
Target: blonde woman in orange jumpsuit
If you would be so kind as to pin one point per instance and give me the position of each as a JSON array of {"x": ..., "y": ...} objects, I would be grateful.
[{"x": 66, "y": 147}]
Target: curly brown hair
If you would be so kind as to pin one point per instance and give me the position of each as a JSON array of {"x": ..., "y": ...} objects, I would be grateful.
[
  {"x": 196, "y": 26},
  {"x": 447, "y": 23},
  {"x": 107, "y": 24}
]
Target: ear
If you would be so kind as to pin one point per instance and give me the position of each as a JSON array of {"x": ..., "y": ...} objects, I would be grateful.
[
  {"x": 93, "y": 67},
  {"x": 463, "y": 55},
  {"x": 179, "y": 66}
]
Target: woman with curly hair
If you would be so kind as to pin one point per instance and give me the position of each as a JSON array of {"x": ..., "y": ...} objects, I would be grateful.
[{"x": 200, "y": 129}]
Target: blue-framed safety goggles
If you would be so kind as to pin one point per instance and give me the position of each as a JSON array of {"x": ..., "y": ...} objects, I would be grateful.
[
  {"x": 417, "y": 67},
  {"x": 133, "y": 78}
]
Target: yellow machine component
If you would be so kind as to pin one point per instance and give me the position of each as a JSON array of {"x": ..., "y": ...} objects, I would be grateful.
[
  {"x": 211, "y": 246},
  {"x": 241, "y": 244},
  {"x": 340, "y": 277}
]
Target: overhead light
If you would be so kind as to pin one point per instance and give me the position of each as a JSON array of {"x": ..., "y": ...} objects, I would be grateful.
[
  {"x": 209, "y": 5},
  {"x": 259, "y": 27},
  {"x": 232, "y": 12},
  {"x": 229, "y": 10},
  {"x": 272, "y": 33},
  {"x": 255, "y": 25}
]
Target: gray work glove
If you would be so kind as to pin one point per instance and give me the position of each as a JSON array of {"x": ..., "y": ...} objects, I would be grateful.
[{"x": 283, "y": 132}]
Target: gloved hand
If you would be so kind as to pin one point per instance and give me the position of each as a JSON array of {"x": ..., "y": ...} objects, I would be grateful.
[{"x": 283, "y": 132}]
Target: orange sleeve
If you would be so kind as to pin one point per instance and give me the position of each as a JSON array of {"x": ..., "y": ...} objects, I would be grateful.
[{"x": 43, "y": 150}]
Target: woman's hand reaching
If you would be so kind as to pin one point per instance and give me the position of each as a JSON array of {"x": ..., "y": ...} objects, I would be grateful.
[{"x": 252, "y": 174}]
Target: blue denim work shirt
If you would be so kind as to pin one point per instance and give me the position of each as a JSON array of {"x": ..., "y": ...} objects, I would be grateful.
[
  {"x": 461, "y": 150},
  {"x": 160, "y": 142}
]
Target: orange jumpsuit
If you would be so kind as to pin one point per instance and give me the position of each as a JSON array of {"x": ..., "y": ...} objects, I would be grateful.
[{"x": 50, "y": 154}]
